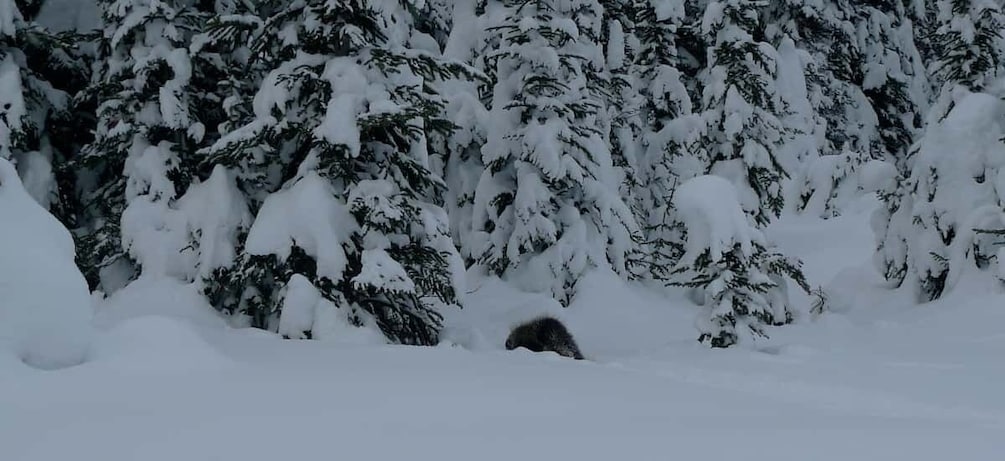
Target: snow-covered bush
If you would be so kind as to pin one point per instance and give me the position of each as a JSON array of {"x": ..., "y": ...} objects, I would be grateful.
[
  {"x": 737, "y": 277},
  {"x": 45, "y": 307},
  {"x": 935, "y": 224}
]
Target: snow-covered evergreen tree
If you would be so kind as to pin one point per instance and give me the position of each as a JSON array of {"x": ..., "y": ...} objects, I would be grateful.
[
  {"x": 668, "y": 136},
  {"x": 39, "y": 71},
  {"x": 922, "y": 14},
  {"x": 232, "y": 37},
  {"x": 619, "y": 88},
  {"x": 143, "y": 126},
  {"x": 742, "y": 107},
  {"x": 867, "y": 81},
  {"x": 739, "y": 280},
  {"x": 547, "y": 207},
  {"x": 829, "y": 182},
  {"x": 945, "y": 218},
  {"x": 924, "y": 236},
  {"x": 435, "y": 19},
  {"x": 968, "y": 42},
  {"x": 159, "y": 88},
  {"x": 458, "y": 153},
  {"x": 892, "y": 75},
  {"x": 340, "y": 126},
  {"x": 841, "y": 123},
  {"x": 804, "y": 79}
]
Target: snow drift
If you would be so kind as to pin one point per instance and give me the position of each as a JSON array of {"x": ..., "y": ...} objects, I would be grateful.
[{"x": 45, "y": 310}]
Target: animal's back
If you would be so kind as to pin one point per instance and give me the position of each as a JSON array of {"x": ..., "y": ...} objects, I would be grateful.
[{"x": 544, "y": 334}]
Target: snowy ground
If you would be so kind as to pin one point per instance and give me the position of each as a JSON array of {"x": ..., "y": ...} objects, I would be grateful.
[{"x": 877, "y": 380}]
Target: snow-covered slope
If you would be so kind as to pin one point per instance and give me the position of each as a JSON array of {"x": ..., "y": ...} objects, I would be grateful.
[
  {"x": 197, "y": 401},
  {"x": 877, "y": 380}
]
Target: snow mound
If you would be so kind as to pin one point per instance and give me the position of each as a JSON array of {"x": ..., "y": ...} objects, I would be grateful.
[
  {"x": 491, "y": 311},
  {"x": 45, "y": 313},
  {"x": 12, "y": 368},
  {"x": 156, "y": 344},
  {"x": 613, "y": 318},
  {"x": 162, "y": 296},
  {"x": 608, "y": 317}
]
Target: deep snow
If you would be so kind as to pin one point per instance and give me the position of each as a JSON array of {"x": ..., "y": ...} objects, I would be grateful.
[{"x": 874, "y": 379}]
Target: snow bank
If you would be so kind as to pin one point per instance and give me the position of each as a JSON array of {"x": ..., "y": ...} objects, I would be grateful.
[
  {"x": 868, "y": 399},
  {"x": 37, "y": 176},
  {"x": 155, "y": 344},
  {"x": 884, "y": 379},
  {"x": 611, "y": 318},
  {"x": 158, "y": 296},
  {"x": 491, "y": 311},
  {"x": 45, "y": 311},
  {"x": 608, "y": 317}
]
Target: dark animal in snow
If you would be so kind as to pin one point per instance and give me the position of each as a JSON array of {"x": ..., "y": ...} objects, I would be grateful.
[{"x": 544, "y": 334}]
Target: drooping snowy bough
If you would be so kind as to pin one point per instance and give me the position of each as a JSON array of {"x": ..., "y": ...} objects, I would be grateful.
[{"x": 738, "y": 278}]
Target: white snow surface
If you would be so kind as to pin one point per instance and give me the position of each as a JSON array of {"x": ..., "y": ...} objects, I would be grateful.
[
  {"x": 157, "y": 296},
  {"x": 70, "y": 15},
  {"x": 877, "y": 379},
  {"x": 45, "y": 307}
]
